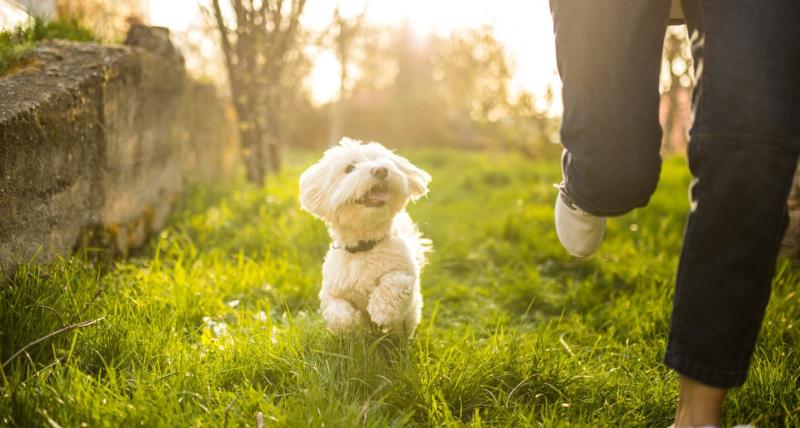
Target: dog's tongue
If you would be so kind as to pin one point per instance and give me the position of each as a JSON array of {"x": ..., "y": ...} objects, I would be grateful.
[{"x": 382, "y": 196}]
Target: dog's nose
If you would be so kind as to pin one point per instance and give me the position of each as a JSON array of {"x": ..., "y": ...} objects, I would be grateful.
[{"x": 380, "y": 172}]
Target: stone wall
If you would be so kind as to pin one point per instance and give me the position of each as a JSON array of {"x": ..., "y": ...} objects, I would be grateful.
[{"x": 95, "y": 143}]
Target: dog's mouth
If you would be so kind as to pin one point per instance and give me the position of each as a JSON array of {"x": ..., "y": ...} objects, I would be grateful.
[{"x": 377, "y": 196}]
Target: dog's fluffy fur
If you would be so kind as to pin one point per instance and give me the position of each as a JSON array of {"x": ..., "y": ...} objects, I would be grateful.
[{"x": 360, "y": 190}]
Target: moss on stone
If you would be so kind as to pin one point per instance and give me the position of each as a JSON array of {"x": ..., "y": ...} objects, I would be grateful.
[{"x": 16, "y": 43}]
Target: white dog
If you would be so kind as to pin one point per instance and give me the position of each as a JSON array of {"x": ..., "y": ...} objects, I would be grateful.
[{"x": 371, "y": 271}]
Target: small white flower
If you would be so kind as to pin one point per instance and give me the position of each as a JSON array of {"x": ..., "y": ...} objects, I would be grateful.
[{"x": 219, "y": 328}]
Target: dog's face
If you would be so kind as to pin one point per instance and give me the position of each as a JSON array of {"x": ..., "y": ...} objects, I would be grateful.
[{"x": 360, "y": 182}]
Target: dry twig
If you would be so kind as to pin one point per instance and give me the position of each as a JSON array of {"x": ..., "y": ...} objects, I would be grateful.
[{"x": 55, "y": 333}]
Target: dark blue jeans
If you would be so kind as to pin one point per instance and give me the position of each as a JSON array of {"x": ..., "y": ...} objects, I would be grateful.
[{"x": 743, "y": 152}]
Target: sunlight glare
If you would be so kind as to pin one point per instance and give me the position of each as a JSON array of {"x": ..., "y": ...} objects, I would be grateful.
[
  {"x": 524, "y": 28},
  {"x": 324, "y": 78}
]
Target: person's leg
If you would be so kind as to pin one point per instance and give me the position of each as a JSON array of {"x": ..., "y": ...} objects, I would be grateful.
[
  {"x": 609, "y": 58},
  {"x": 699, "y": 405},
  {"x": 743, "y": 155}
]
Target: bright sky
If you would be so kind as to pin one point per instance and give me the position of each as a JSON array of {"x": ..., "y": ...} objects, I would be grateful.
[{"x": 524, "y": 27}]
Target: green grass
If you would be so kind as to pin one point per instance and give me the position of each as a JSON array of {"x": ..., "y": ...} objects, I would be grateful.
[
  {"x": 15, "y": 44},
  {"x": 217, "y": 320}
]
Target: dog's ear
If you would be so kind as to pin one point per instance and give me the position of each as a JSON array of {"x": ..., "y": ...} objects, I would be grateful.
[
  {"x": 417, "y": 178},
  {"x": 312, "y": 195}
]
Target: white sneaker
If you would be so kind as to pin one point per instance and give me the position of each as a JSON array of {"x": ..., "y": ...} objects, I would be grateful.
[{"x": 579, "y": 232}]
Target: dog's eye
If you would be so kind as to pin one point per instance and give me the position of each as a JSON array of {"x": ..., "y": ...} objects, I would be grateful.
[{"x": 349, "y": 169}]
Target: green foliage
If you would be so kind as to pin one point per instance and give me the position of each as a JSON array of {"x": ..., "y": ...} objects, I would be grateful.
[
  {"x": 217, "y": 319},
  {"x": 11, "y": 51},
  {"x": 65, "y": 29},
  {"x": 16, "y": 43}
]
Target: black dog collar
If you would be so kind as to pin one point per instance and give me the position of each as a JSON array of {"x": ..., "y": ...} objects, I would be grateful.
[{"x": 361, "y": 246}]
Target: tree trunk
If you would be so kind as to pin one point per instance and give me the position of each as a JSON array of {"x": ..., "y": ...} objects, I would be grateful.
[
  {"x": 255, "y": 51},
  {"x": 273, "y": 149},
  {"x": 252, "y": 155},
  {"x": 273, "y": 133}
]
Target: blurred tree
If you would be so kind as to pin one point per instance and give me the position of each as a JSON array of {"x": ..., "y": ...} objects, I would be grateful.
[
  {"x": 394, "y": 98},
  {"x": 412, "y": 90},
  {"x": 473, "y": 72},
  {"x": 367, "y": 99},
  {"x": 258, "y": 51},
  {"x": 345, "y": 32},
  {"x": 676, "y": 87},
  {"x": 530, "y": 123},
  {"x": 791, "y": 238},
  {"x": 300, "y": 121},
  {"x": 416, "y": 109}
]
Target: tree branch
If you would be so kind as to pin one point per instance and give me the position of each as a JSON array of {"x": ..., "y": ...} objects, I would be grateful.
[
  {"x": 227, "y": 50},
  {"x": 282, "y": 44}
]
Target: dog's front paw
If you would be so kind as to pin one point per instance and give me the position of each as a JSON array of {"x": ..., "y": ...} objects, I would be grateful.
[
  {"x": 389, "y": 303},
  {"x": 341, "y": 316},
  {"x": 388, "y": 309},
  {"x": 383, "y": 313}
]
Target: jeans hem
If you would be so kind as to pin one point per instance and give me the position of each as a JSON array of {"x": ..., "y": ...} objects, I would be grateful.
[
  {"x": 707, "y": 375},
  {"x": 593, "y": 209}
]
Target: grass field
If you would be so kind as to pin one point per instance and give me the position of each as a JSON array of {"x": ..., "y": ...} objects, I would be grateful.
[{"x": 217, "y": 319}]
